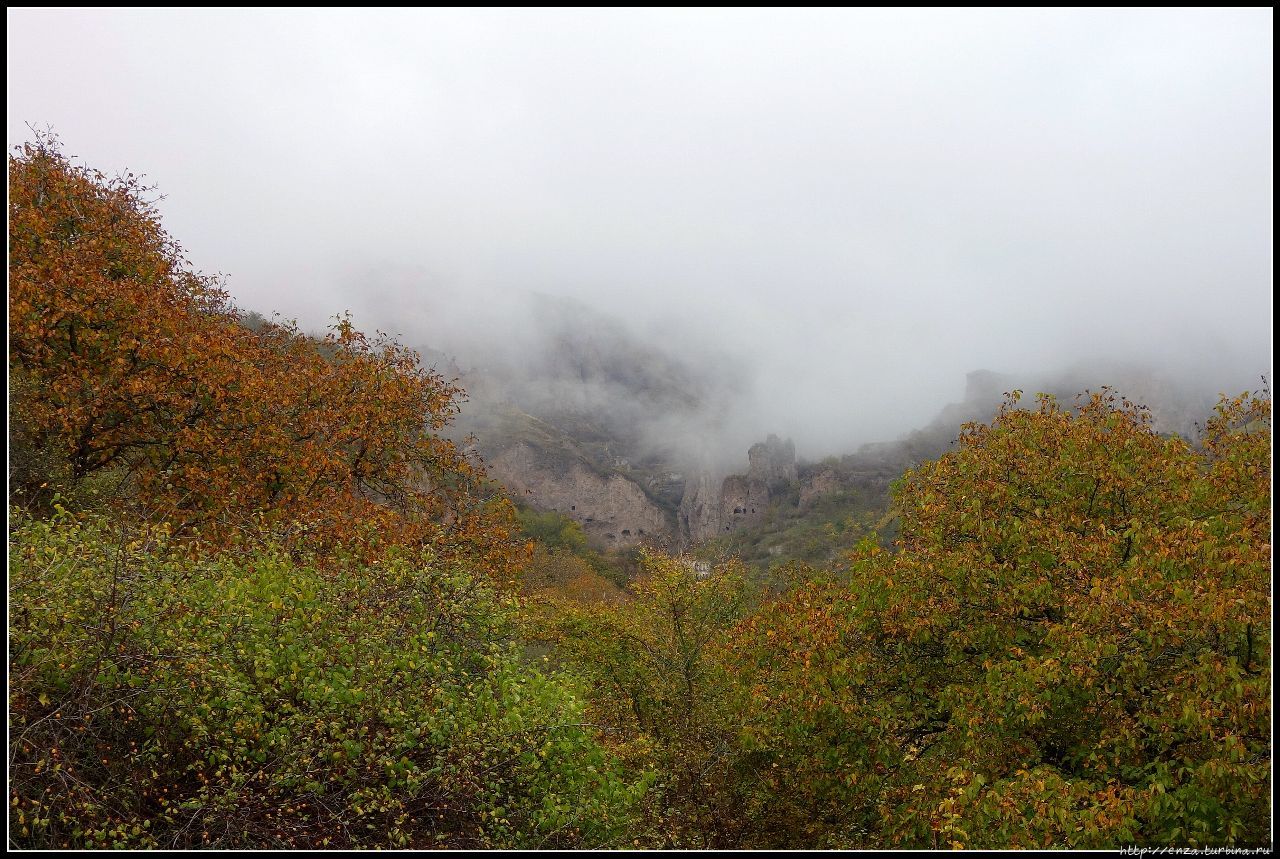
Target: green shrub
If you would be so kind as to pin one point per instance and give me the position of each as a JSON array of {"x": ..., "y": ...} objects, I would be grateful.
[{"x": 159, "y": 699}]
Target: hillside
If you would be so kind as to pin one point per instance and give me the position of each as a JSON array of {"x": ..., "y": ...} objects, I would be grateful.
[
  {"x": 264, "y": 597},
  {"x": 590, "y": 422}
]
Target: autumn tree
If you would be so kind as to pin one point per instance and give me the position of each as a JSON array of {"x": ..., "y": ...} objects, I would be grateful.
[
  {"x": 134, "y": 372},
  {"x": 661, "y": 693},
  {"x": 1070, "y": 647},
  {"x": 284, "y": 621}
]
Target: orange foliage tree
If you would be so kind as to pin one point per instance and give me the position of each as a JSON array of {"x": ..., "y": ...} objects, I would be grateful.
[
  {"x": 1070, "y": 648},
  {"x": 128, "y": 365}
]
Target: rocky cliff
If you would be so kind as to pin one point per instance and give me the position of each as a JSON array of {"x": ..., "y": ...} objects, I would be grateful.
[
  {"x": 714, "y": 505},
  {"x": 613, "y": 511},
  {"x": 597, "y": 426},
  {"x": 700, "y": 510},
  {"x": 773, "y": 463}
]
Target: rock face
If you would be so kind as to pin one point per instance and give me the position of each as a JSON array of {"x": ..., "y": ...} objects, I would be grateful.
[
  {"x": 700, "y": 510},
  {"x": 616, "y": 512},
  {"x": 714, "y": 505},
  {"x": 743, "y": 501},
  {"x": 613, "y": 511},
  {"x": 773, "y": 463},
  {"x": 825, "y": 482}
]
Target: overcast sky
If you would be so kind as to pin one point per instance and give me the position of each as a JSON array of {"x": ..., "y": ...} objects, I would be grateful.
[{"x": 860, "y": 205}]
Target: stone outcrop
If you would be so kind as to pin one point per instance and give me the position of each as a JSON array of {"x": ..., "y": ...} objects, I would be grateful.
[
  {"x": 715, "y": 505},
  {"x": 773, "y": 463},
  {"x": 613, "y": 511},
  {"x": 814, "y": 487},
  {"x": 700, "y": 509},
  {"x": 743, "y": 501}
]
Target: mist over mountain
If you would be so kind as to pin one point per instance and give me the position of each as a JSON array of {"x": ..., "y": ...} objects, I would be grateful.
[
  {"x": 645, "y": 241},
  {"x": 700, "y": 399},
  {"x": 591, "y": 374},
  {"x": 702, "y": 388},
  {"x": 815, "y": 223},
  {"x": 645, "y": 434}
]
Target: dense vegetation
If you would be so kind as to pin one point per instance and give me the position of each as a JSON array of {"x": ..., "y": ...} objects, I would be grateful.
[
  {"x": 252, "y": 699},
  {"x": 256, "y": 600},
  {"x": 130, "y": 369},
  {"x": 1070, "y": 647},
  {"x": 821, "y": 532}
]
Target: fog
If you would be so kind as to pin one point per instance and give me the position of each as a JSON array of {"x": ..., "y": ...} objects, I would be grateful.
[{"x": 818, "y": 221}]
